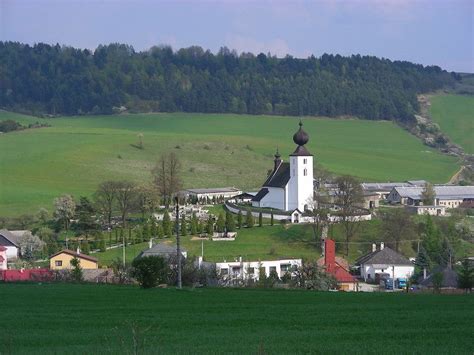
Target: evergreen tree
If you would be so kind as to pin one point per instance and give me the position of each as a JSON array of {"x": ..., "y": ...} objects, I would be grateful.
[
  {"x": 220, "y": 225},
  {"x": 271, "y": 219},
  {"x": 194, "y": 224},
  {"x": 422, "y": 262},
  {"x": 153, "y": 227},
  {"x": 428, "y": 195},
  {"x": 239, "y": 219},
  {"x": 159, "y": 231},
  {"x": 184, "y": 226},
  {"x": 210, "y": 226},
  {"x": 432, "y": 240},
  {"x": 167, "y": 224},
  {"x": 249, "y": 219},
  {"x": 85, "y": 248},
  {"x": 229, "y": 222},
  {"x": 145, "y": 232},
  {"x": 466, "y": 275},
  {"x": 260, "y": 219}
]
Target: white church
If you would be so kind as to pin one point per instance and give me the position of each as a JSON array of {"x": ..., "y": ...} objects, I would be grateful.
[{"x": 289, "y": 186}]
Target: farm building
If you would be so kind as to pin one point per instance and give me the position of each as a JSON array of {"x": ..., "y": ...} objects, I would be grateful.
[
  {"x": 239, "y": 269},
  {"x": 446, "y": 195},
  {"x": 383, "y": 189},
  {"x": 290, "y": 185},
  {"x": 220, "y": 192},
  {"x": 163, "y": 250},
  {"x": 384, "y": 261},
  {"x": 9, "y": 241},
  {"x": 62, "y": 260},
  {"x": 449, "y": 278},
  {"x": 345, "y": 280}
]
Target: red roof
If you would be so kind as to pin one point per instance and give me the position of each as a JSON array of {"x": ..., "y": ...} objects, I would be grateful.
[{"x": 332, "y": 266}]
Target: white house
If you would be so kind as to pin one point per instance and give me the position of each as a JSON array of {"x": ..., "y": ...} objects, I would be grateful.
[
  {"x": 9, "y": 241},
  {"x": 384, "y": 261},
  {"x": 428, "y": 210},
  {"x": 290, "y": 185},
  {"x": 3, "y": 258},
  {"x": 251, "y": 269}
]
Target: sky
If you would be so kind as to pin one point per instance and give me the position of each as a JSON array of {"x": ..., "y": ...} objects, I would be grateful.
[{"x": 429, "y": 32}]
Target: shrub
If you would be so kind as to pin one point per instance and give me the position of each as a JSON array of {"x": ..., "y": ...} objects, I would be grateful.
[{"x": 149, "y": 271}]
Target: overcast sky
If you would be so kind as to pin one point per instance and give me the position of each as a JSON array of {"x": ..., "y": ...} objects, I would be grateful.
[{"x": 427, "y": 32}]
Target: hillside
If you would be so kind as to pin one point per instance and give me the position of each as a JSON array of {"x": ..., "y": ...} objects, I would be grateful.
[
  {"x": 66, "y": 80},
  {"x": 455, "y": 116},
  {"x": 77, "y": 153}
]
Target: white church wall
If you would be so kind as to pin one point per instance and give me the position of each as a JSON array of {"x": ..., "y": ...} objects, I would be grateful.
[
  {"x": 275, "y": 198},
  {"x": 300, "y": 186}
]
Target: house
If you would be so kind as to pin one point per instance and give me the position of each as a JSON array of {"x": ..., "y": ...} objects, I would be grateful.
[
  {"x": 446, "y": 195},
  {"x": 245, "y": 270},
  {"x": 163, "y": 250},
  {"x": 245, "y": 197},
  {"x": 290, "y": 185},
  {"x": 62, "y": 260},
  {"x": 448, "y": 281},
  {"x": 9, "y": 241},
  {"x": 383, "y": 189},
  {"x": 3, "y": 258},
  {"x": 384, "y": 261},
  {"x": 345, "y": 281}
]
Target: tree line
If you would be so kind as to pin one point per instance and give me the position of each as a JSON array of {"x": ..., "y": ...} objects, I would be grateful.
[{"x": 64, "y": 80}]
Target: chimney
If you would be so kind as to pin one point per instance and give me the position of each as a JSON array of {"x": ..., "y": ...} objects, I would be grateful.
[
  {"x": 78, "y": 251},
  {"x": 382, "y": 245},
  {"x": 374, "y": 247},
  {"x": 329, "y": 254}
]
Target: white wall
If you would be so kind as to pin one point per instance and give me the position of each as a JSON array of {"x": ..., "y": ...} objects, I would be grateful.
[
  {"x": 240, "y": 269},
  {"x": 12, "y": 252},
  {"x": 275, "y": 198},
  {"x": 450, "y": 203},
  {"x": 401, "y": 271}
]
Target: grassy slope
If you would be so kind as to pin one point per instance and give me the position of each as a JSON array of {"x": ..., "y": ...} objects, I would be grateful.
[
  {"x": 77, "y": 153},
  {"x": 89, "y": 319},
  {"x": 455, "y": 116}
]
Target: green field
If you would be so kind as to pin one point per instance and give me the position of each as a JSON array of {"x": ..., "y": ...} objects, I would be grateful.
[
  {"x": 455, "y": 116},
  {"x": 77, "y": 153},
  {"x": 98, "y": 319},
  {"x": 261, "y": 243}
]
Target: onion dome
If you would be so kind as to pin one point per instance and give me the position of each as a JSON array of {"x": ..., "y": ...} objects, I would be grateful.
[{"x": 301, "y": 137}]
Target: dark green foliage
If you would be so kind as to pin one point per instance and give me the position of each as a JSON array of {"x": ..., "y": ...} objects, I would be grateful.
[
  {"x": 183, "y": 226},
  {"x": 153, "y": 228},
  {"x": 85, "y": 248},
  {"x": 149, "y": 271},
  {"x": 466, "y": 275},
  {"x": 194, "y": 80},
  {"x": 422, "y": 261},
  {"x": 85, "y": 214},
  {"x": 249, "y": 221},
  {"x": 76, "y": 271},
  {"x": 9, "y": 126},
  {"x": 194, "y": 224},
  {"x": 229, "y": 222},
  {"x": 239, "y": 219},
  {"x": 260, "y": 219},
  {"x": 437, "y": 281},
  {"x": 220, "y": 224},
  {"x": 210, "y": 226},
  {"x": 159, "y": 231},
  {"x": 145, "y": 232}
]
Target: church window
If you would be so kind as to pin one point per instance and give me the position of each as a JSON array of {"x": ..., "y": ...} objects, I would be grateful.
[
  {"x": 293, "y": 172},
  {"x": 304, "y": 161},
  {"x": 305, "y": 172}
]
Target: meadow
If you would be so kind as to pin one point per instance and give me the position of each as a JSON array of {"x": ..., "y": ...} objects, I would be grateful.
[
  {"x": 93, "y": 319},
  {"x": 455, "y": 116},
  {"x": 75, "y": 154}
]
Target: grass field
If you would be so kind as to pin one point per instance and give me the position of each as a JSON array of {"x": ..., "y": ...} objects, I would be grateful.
[
  {"x": 455, "y": 116},
  {"x": 77, "y": 153},
  {"x": 98, "y": 319}
]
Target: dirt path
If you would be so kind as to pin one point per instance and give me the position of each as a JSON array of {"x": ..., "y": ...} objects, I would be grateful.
[{"x": 454, "y": 178}]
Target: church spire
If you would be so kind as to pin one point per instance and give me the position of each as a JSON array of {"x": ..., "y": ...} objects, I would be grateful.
[
  {"x": 277, "y": 160},
  {"x": 301, "y": 138}
]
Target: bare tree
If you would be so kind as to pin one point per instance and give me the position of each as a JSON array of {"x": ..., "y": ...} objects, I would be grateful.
[
  {"x": 126, "y": 198},
  {"x": 147, "y": 199},
  {"x": 428, "y": 195},
  {"x": 166, "y": 176},
  {"x": 105, "y": 197},
  {"x": 318, "y": 209},
  {"x": 64, "y": 208},
  {"x": 396, "y": 226},
  {"x": 349, "y": 197},
  {"x": 30, "y": 245}
]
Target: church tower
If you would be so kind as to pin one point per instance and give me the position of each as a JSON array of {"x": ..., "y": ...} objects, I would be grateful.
[{"x": 300, "y": 185}]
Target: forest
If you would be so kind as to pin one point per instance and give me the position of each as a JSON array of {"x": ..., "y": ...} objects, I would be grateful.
[{"x": 61, "y": 80}]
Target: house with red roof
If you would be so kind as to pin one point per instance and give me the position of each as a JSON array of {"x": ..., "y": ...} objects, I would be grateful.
[{"x": 345, "y": 280}]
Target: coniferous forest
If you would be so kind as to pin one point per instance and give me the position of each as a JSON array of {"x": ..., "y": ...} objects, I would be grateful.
[{"x": 44, "y": 79}]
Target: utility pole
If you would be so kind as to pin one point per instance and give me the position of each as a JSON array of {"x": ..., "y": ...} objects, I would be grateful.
[
  {"x": 123, "y": 247},
  {"x": 178, "y": 248}
]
